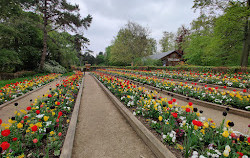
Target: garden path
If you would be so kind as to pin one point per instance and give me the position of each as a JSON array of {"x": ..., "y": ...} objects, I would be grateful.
[
  {"x": 101, "y": 129},
  {"x": 8, "y": 111}
]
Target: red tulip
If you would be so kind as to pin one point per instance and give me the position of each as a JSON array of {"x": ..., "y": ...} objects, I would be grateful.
[
  {"x": 190, "y": 103},
  {"x": 240, "y": 153},
  {"x": 5, "y": 132},
  {"x": 170, "y": 102},
  {"x": 5, "y": 145},
  {"x": 175, "y": 115},
  {"x": 28, "y": 108},
  {"x": 35, "y": 140},
  {"x": 174, "y": 100},
  {"x": 37, "y": 112},
  {"x": 60, "y": 134},
  {"x": 34, "y": 128},
  {"x": 49, "y": 96},
  {"x": 197, "y": 123},
  {"x": 225, "y": 87},
  {"x": 14, "y": 139},
  {"x": 244, "y": 90},
  {"x": 60, "y": 113},
  {"x": 187, "y": 110},
  {"x": 57, "y": 103},
  {"x": 233, "y": 135},
  {"x": 248, "y": 139},
  {"x": 216, "y": 88},
  {"x": 57, "y": 120},
  {"x": 1, "y": 121}
]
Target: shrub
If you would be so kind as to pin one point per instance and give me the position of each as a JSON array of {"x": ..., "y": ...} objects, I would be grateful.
[{"x": 52, "y": 66}]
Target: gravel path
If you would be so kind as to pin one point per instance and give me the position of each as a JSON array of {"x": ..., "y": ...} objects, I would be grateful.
[
  {"x": 9, "y": 110},
  {"x": 102, "y": 132}
]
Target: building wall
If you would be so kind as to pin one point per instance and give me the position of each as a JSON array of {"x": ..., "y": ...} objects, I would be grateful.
[{"x": 171, "y": 59}]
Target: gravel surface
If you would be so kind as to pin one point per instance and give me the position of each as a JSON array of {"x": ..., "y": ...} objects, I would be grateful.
[
  {"x": 9, "y": 110},
  {"x": 102, "y": 132}
]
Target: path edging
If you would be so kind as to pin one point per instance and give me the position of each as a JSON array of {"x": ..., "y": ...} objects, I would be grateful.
[
  {"x": 153, "y": 143},
  {"x": 69, "y": 139},
  {"x": 24, "y": 95}
]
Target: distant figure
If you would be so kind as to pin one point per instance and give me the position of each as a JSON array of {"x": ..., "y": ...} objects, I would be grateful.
[{"x": 84, "y": 70}]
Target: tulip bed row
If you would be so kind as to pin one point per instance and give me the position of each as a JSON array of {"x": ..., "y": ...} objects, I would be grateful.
[
  {"x": 235, "y": 99},
  {"x": 13, "y": 90},
  {"x": 38, "y": 130},
  {"x": 182, "y": 127},
  {"x": 238, "y": 80}
]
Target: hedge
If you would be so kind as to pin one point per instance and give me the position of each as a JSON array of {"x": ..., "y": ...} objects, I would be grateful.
[{"x": 232, "y": 69}]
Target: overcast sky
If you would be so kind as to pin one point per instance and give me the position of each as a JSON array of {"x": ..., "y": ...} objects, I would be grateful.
[{"x": 110, "y": 15}]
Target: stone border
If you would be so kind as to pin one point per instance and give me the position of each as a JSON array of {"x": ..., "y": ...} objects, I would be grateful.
[
  {"x": 24, "y": 95},
  {"x": 235, "y": 111},
  {"x": 69, "y": 139},
  {"x": 153, "y": 143}
]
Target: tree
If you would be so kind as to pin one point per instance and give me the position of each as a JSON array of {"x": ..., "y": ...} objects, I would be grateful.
[
  {"x": 180, "y": 37},
  {"x": 198, "y": 47},
  {"x": 131, "y": 42},
  {"x": 167, "y": 42},
  {"x": 22, "y": 36},
  {"x": 100, "y": 59},
  {"x": 107, "y": 55},
  {"x": 235, "y": 14},
  {"x": 63, "y": 49},
  {"x": 8, "y": 60},
  {"x": 57, "y": 14}
]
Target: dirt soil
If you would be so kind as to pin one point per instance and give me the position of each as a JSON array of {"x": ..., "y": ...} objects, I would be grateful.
[
  {"x": 9, "y": 110},
  {"x": 102, "y": 132}
]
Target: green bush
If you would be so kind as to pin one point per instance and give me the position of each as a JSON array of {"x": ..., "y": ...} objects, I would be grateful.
[
  {"x": 52, "y": 66},
  {"x": 152, "y": 62},
  {"x": 232, "y": 69}
]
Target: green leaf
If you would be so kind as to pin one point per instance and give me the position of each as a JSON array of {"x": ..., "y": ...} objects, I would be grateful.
[{"x": 57, "y": 152}]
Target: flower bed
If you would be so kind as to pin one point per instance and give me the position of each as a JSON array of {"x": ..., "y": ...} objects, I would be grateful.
[
  {"x": 13, "y": 90},
  {"x": 183, "y": 127},
  {"x": 38, "y": 131},
  {"x": 235, "y": 99},
  {"x": 238, "y": 80}
]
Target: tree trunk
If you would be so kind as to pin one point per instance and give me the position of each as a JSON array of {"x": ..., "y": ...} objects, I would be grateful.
[
  {"x": 246, "y": 47},
  {"x": 45, "y": 36}
]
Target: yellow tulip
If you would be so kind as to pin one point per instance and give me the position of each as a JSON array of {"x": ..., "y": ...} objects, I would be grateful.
[
  {"x": 45, "y": 118},
  {"x": 19, "y": 125},
  {"x": 225, "y": 134},
  {"x": 160, "y": 118}
]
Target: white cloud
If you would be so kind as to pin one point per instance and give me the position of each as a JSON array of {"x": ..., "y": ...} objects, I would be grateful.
[{"x": 110, "y": 15}]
